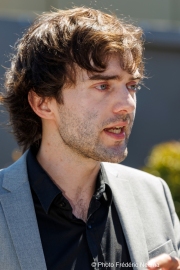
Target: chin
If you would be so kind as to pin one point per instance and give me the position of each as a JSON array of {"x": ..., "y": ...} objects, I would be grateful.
[{"x": 116, "y": 158}]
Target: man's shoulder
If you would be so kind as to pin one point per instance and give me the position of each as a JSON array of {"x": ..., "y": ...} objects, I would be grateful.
[
  {"x": 137, "y": 179},
  {"x": 144, "y": 186},
  {"x": 125, "y": 172},
  {"x": 14, "y": 174},
  {"x": 15, "y": 166}
]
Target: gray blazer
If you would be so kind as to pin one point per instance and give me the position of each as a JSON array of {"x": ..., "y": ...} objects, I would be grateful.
[{"x": 143, "y": 203}]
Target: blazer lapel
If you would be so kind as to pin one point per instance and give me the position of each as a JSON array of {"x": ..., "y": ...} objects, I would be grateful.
[
  {"x": 19, "y": 211},
  {"x": 129, "y": 217}
]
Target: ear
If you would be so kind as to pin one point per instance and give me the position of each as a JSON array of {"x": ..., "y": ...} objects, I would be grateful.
[{"x": 41, "y": 106}]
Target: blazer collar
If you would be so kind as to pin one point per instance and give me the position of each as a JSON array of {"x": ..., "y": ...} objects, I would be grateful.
[{"x": 129, "y": 216}]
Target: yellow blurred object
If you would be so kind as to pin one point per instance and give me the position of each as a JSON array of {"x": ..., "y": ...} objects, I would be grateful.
[{"x": 164, "y": 161}]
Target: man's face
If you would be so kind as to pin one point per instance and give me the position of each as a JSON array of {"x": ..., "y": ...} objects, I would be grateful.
[{"x": 96, "y": 118}]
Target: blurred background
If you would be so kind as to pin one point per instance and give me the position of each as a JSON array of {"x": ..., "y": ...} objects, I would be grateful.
[{"x": 158, "y": 105}]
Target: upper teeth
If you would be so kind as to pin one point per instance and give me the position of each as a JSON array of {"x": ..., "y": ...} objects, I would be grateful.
[{"x": 116, "y": 130}]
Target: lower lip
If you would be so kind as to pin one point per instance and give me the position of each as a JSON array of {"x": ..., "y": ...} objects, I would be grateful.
[{"x": 120, "y": 136}]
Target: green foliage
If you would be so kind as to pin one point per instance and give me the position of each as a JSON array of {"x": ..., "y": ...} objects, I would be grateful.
[{"x": 164, "y": 161}]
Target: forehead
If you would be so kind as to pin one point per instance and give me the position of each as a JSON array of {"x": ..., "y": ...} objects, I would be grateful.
[{"x": 113, "y": 71}]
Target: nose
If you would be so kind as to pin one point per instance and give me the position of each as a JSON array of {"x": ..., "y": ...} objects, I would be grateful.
[{"x": 125, "y": 102}]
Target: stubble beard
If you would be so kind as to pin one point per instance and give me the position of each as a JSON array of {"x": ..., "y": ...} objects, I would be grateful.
[
  {"x": 84, "y": 141},
  {"x": 115, "y": 154}
]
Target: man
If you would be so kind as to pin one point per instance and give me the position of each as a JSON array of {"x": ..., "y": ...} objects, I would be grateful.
[{"x": 71, "y": 95}]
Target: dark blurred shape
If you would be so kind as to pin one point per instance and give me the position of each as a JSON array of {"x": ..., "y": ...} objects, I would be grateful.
[{"x": 10, "y": 31}]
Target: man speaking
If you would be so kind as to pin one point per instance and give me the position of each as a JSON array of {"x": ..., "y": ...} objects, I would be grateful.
[{"x": 67, "y": 203}]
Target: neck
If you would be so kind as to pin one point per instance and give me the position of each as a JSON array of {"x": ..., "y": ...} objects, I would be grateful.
[{"x": 72, "y": 173}]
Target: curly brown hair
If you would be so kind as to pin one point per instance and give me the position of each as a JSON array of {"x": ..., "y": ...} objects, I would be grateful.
[{"x": 47, "y": 53}]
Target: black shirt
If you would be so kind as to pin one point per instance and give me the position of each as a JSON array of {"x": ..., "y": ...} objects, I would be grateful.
[{"x": 68, "y": 242}]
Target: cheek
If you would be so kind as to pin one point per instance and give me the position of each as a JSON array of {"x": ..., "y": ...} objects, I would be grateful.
[
  {"x": 92, "y": 118},
  {"x": 81, "y": 109},
  {"x": 89, "y": 121},
  {"x": 86, "y": 110}
]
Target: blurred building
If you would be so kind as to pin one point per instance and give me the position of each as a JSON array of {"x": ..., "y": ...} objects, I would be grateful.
[{"x": 158, "y": 110}]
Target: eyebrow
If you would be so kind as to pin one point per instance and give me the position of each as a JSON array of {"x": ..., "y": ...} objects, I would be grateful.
[{"x": 108, "y": 77}]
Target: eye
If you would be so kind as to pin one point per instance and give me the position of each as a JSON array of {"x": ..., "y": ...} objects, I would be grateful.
[
  {"x": 102, "y": 86},
  {"x": 133, "y": 87}
]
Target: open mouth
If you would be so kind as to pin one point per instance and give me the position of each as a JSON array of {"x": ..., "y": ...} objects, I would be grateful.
[{"x": 115, "y": 130}]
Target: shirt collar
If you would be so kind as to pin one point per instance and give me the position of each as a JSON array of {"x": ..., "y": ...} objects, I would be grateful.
[
  {"x": 41, "y": 182},
  {"x": 47, "y": 191}
]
